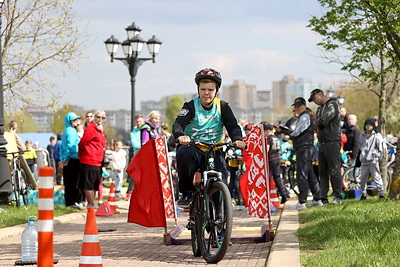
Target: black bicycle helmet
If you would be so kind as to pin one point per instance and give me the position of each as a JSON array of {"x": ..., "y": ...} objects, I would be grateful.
[{"x": 208, "y": 73}]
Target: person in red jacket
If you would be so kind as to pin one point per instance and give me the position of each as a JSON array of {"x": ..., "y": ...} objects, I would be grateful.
[{"x": 91, "y": 153}]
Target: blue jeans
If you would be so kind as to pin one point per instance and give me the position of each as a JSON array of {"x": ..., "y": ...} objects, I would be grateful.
[{"x": 119, "y": 177}]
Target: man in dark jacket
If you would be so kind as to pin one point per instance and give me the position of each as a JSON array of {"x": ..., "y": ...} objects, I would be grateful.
[
  {"x": 303, "y": 145},
  {"x": 353, "y": 136},
  {"x": 329, "y": 139}
]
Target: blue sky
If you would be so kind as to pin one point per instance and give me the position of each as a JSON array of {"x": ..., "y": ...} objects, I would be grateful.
[{"x": 256, "y": 40}]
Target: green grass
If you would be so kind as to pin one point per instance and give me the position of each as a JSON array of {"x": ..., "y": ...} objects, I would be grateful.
[
  {"x": 14, "y": 216},
  {"x": 356, "y": 233}
]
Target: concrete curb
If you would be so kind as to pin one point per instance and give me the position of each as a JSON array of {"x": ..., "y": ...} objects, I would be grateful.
[{"x": 285, "y": 249}]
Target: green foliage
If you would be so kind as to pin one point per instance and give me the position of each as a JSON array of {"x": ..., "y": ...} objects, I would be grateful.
[
  {"x": 356, "y": 233},
  {"x": 58, "y": 118},
  {"x": 356, "y": 101},
  {"x": 366, "y": 29},
  {"x": 26, "y": 124},
  {"x": 174, "y": 105},
  {"x": 392, "y": 117}
]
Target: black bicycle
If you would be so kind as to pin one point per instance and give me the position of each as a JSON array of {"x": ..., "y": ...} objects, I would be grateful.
[
  {"x": 292, "y": 175},
  {"x": 19, "y": 180},
  {"x": 210, "y": 217}
]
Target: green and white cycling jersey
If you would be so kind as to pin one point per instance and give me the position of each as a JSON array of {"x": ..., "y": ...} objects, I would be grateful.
[{"x": 206, "y": 124}]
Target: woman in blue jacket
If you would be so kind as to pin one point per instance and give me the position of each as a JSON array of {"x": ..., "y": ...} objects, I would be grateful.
[{"x": 70, "y": 161}]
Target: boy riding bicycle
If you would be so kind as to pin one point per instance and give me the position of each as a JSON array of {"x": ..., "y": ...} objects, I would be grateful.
[{"x": 203, "y": 119}]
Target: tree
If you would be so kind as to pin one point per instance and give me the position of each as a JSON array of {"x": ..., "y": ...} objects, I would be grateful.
[
  {"x": 26, "y": 124},
  {"x": 367, "y": 32},
  {"x": 174, "y": 105},
  {"x": 39, "y": 37},
  {"x": 58, "y": 125}
]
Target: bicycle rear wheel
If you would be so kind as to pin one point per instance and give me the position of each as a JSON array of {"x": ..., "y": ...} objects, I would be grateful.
[
  {"x": 293, "y": 180},
  {"x": 194, "y": 225},
  {"x": 16, "y": 187},
  {"x": 215, "y": 232}
]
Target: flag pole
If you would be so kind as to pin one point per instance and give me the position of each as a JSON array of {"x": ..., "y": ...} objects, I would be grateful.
[
  {"x": 171, "y": 183},
  {"x": 266, "y": 165}
]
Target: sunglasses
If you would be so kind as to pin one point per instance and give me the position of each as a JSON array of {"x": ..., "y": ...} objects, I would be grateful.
[
  {"x": 89, "y": 116},
  {"x": 99, "y": 117}
]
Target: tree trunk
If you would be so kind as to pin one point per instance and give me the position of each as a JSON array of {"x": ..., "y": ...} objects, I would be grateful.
[{"x": 383, "y": 164}]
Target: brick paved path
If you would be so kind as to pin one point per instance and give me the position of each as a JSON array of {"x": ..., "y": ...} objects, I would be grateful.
[{"x": 135, "y": 245}]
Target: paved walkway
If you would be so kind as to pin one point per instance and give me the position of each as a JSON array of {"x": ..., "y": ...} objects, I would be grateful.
[{"x": 135, "y": 245}]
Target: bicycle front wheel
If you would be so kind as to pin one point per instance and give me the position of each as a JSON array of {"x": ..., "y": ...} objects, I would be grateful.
[
  {"x": 194, "y": 225},
  {"x": 215, "y": 219}
]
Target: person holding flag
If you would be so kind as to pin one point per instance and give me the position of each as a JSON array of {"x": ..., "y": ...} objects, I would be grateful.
[{"x": 203, "y": 118}]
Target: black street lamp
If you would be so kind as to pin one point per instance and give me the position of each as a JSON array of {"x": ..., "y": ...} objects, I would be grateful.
[
  {"x": 341, "y": 99},
  {"x": 330, "y": 93},
  {"x": 5, "y": 185},
  {"x": 132, "y": 48}
]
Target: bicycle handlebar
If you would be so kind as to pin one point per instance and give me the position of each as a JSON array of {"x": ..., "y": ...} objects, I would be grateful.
[
  {"x": 211, "y": 145},
  {"x": 16, "y": 153}
]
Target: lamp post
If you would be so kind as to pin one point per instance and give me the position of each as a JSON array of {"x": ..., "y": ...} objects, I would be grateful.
[
  {"x": 132, "y": 48},
  {"x": 5, "y": 185},
  {"x": 341, "y": 99},
  {"x": 330, "y": 93}
]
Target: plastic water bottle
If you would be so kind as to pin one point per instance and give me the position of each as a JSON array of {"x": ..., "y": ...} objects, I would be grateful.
[{"x": 29, "y": 240}]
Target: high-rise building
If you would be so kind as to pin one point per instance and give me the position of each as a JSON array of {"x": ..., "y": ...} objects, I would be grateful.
[
  {"x": 302, "y": 87},
  {"x": 240, "y": 95},
  {"x": 287, "y": 89},
  {"x": 279, "y": 94}
]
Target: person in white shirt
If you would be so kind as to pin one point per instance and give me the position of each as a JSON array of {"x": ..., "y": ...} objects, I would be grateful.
[{"x": 118, "y": 164}]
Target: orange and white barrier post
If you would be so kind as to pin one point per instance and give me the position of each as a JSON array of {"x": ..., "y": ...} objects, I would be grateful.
[
  {"x": 91, "y": 253},
  {"x": 45, "y": 218},
  {"x": 111, "y": 199}
]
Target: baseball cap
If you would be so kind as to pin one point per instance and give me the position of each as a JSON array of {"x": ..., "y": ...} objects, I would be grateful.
[
  {"x": 299, "y": 102},
  {"x": 267, "y": 126},
  {"x": 313, "y": 92}
]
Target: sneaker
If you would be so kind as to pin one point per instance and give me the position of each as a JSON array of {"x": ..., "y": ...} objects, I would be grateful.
[
  {"x": 325, "y": 201},
  {"x": 234, "y": 202},
  {"x": 381, "y": 196},
  {"x": 316, "y": 204},
  {"x": 284, "y": 199},
  {"x": 127, "y": 197},
  {"x": 299, "y": 206},
  {"x": 337, "y": 201},
  {"x": 76, "y": 206},
  {"x": 363, "y": 197},
  {"x": 184, "y": 201}
]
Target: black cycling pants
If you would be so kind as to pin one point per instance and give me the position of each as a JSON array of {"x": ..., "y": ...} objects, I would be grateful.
[{"x": 189, "y": 160}]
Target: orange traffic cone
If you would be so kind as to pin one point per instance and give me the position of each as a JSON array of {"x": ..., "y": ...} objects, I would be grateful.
[
  {"x": 91, "y": 253},
  {"x": 111, "y": 200},
  {"x": 104, "y": 210},
  {"x": 274, "y": 194}
]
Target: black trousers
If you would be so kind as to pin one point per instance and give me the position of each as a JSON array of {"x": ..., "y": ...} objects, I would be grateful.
[
  {"x": 233, "y": 181},
  {"x": 275, "y": 173},
  {"x": 306, "y": 179},
  {"x": 71, "y": 180},
  {"x": 189, "y": 160},
  {"x": 329, "y": 168}
]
